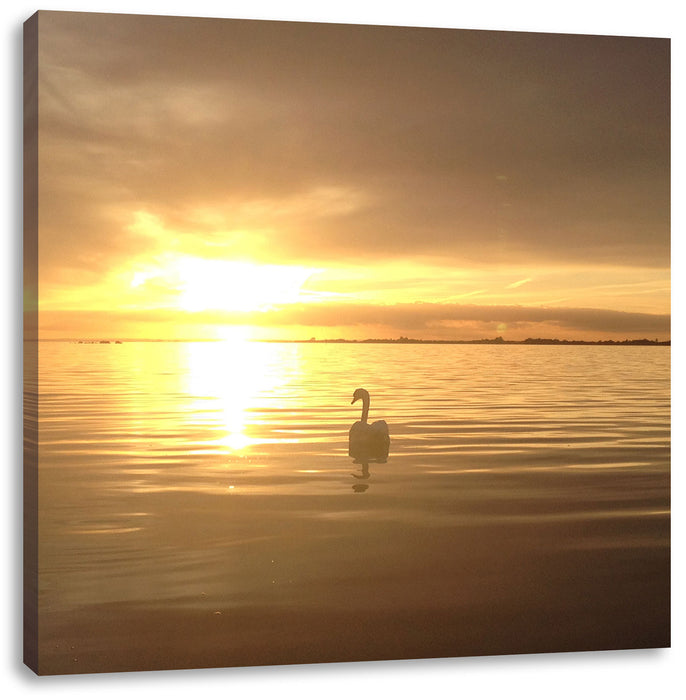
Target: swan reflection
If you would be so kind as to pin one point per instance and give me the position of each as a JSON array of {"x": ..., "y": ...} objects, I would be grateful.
[{"x": 360, "y": 487}]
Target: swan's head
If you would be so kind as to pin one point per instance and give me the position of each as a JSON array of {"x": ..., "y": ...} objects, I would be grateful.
[{"x": 362, "y": 394}]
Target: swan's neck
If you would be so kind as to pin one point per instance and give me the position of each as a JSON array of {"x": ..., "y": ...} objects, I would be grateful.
[{"x": 365, "y": 409}]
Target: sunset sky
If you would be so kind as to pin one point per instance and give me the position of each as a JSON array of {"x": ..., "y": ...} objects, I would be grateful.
[{"x": 231, "y": 178}]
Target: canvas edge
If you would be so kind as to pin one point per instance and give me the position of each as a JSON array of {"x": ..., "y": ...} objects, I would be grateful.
[{"x": 30, "y": 344}]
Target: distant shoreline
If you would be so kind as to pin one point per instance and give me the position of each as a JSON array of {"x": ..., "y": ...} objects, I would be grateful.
[
  {"x": 371, "y": 341},
  {"x": 483, "y": 341}
]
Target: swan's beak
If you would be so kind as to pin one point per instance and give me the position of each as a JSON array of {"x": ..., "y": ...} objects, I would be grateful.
[{"x": 353, "y": 401}]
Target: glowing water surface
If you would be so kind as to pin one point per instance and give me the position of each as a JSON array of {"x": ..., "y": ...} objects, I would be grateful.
[{"x": 198, "y": 507}]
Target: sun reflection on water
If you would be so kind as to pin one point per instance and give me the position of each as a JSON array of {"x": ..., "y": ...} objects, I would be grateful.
[{"x": 229, "y": 383}]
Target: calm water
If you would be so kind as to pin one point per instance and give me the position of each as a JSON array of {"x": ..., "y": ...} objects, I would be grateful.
[{"x": 197, "y": 505}]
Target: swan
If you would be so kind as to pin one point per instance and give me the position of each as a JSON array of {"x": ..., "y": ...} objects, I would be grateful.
[{"x": 368, "y": 442}]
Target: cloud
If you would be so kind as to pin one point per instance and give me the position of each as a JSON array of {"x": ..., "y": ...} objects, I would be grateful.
[
  {"x": 424, "y": 315},
  {"x": 485, "y": 147},
  {"x": 395, "y": 318},
  {"x": 519, "y": 283}
]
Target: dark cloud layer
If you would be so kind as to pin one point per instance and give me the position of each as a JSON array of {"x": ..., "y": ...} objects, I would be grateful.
[
  {"x": 471, "y": 146},
  {"x": 421, "y": 316},
  {"x": 406, "y": 317}
]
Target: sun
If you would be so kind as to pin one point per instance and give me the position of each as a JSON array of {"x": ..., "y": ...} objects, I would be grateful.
[
  {"x": 237, "y": 286},
  {"x": 201, "y": 284}
]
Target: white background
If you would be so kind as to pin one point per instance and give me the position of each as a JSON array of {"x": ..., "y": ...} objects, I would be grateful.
[{"x": 621, "y": 674}]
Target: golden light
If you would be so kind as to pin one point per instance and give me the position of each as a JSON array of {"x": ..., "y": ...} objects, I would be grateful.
[
  {"x": 228, "y": 380},
  {"x": 235, "y": 335},
  {"x": 203, "y": 284}
]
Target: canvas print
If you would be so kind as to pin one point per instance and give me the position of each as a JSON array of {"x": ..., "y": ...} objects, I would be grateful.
[{"x": 342, "y": 342}]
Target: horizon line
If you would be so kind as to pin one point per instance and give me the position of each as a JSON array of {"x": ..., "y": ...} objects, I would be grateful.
[{"x": 402, "y": 340}]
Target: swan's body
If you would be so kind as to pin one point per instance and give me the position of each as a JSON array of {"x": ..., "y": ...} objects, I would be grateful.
[{"x": 368, "y": 442}]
